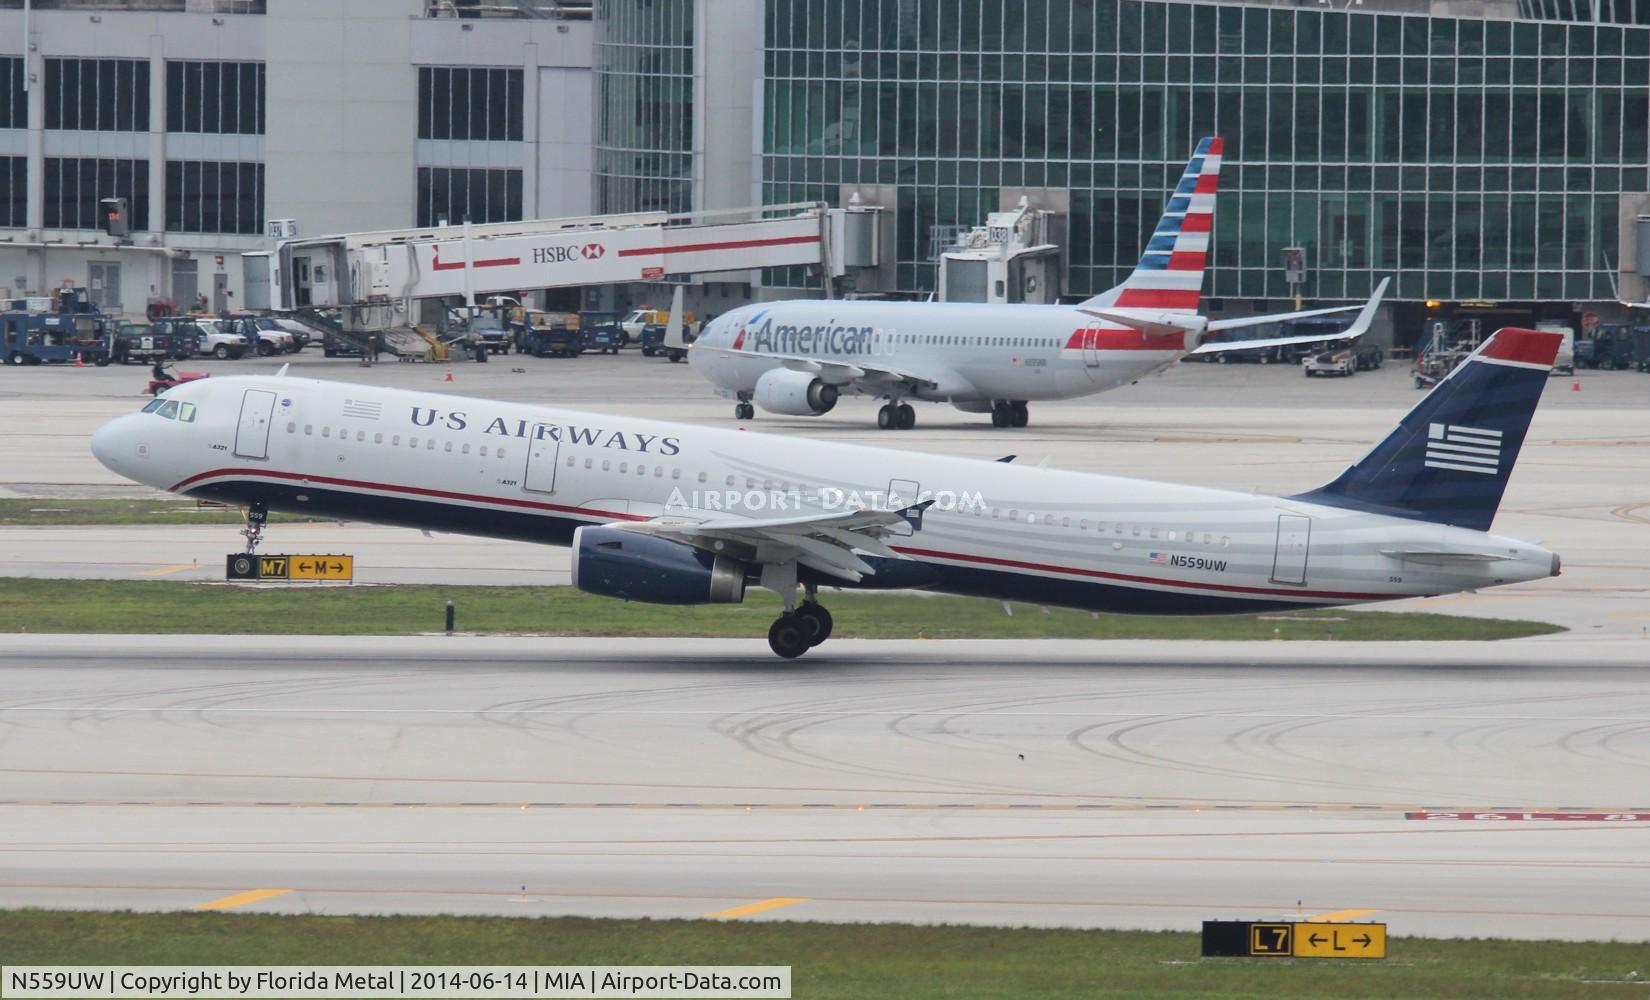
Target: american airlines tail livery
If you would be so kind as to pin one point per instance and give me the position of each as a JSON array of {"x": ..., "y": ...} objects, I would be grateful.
[
  {"x": 680, "y": 514},
  {"x": 798, "y": 357}
]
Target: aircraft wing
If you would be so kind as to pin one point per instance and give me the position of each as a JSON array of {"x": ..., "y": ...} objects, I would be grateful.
[
  {"x": 1360, "y": 325},
  {"x": 824, "y": 542},
  {"x": 871, "y": 377}
]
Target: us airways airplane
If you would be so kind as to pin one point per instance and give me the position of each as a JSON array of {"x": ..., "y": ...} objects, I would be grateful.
[
  {"x": 798, "y": 357},
  {"x": 679, "y": 514}
]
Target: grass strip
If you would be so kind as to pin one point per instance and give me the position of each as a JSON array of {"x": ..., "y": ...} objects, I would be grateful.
[
  {"x": 159, "y": 606},
  {"x": 831, "y": 960},
  {"x": 36, "y": 512}
]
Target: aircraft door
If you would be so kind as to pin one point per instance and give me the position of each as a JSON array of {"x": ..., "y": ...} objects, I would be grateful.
[
  {"x": 1091, "y": 347},
  {"x": 1289, "y": 558},
  {"x": 543, "y": 453},
  {"x": 252, "y": 435}
]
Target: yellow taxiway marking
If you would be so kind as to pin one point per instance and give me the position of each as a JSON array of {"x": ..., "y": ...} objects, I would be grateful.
[
  {"x": 164, "y": 570},
  {"x": 750, "y": 909},
  {"x": 1339, "y": 915},
  {"x": 241, "y": 899}
]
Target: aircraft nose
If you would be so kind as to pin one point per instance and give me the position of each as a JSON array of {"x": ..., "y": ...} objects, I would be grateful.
[{"x": 110, "y": 444}]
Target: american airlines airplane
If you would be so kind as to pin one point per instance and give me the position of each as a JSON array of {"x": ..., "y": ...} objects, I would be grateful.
[
  {"x": 680, "y": 514},
  {"x": 798, "y": 357}
]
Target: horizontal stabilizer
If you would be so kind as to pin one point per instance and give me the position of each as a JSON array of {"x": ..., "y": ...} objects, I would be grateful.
[{"x": 1151, "y": 322}]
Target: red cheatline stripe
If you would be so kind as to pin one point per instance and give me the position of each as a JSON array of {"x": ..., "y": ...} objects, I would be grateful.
[
  {"x": 411, "y": 490},
  {"x": 1534, "y": 347},
  {"x": 1198, "y": 222},
  {"x": 1126, "y": 340},
  {"x": 1207, "y": 184},
  {"x": 1186, "y": 260},
  {"x": 1072, "y": 571},
  {"x": 1159, "y": 298},
  {"x": 1569, "y": 817},
  {"x": 1217, "y": 146},
  {"x": 730, "y": 245},
  {"x": 955, "y": 556}
]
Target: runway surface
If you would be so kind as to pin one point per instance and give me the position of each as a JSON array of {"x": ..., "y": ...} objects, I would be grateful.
[{"x": 1135, "y": 784}]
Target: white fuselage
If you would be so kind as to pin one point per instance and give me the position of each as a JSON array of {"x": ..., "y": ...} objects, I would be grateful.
[
  {"x": 969, "y": 352},
  {"x": 535, "y": 473}
]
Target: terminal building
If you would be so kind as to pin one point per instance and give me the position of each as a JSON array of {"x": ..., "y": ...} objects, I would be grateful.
[{"x": 1491, "y": 155}]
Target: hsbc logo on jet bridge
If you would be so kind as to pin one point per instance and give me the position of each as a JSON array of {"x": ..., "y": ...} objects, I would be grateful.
[{"x": 563, "y": 255}]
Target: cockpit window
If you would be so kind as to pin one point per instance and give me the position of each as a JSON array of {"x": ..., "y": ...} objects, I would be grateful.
[
  {"x": 169, "y": 409},
  {"x": 154, "y": 405},
  {"x": 186, "y": 412}
]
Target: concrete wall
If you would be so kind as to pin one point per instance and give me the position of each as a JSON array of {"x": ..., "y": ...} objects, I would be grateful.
[{"x": 342, "y": 114}]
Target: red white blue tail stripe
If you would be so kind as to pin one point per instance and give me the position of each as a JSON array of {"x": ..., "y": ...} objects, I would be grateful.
[{"x": 1169, "y": 276}]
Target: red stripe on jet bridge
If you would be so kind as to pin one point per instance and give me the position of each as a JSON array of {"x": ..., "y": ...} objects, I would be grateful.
[
  {"x": 1199, "y": 222},
  {"x": 1187, "y": 260},
  {"x": 409, "y": 490},
  {"x": 1158, "y": 298},
  {"x": 1155, "y": 581},
  {"x": 1533, "y": 347},
  {"x": 729, "y": 245},
  {"x": 1126, "y": 340},
  {"x": 1207, "y": 184}
]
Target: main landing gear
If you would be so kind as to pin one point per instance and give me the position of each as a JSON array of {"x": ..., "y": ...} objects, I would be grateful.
[
  {"x": 801, "y": 627},
  {"x": 743, "y": 411},
  {"x": 1009, "y": 413},
  {"x": 896, "y": 417}
]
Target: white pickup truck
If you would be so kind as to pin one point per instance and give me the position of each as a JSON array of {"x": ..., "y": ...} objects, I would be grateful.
[{"x": 218, "y": 342}]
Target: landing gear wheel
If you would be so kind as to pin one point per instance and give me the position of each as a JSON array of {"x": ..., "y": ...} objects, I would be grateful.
[
  {"x": 1000, "y": 415},
  {"x": 1018, "y": 415},
  {"x": 907, "y": 417},
  {"x": 887, "y": 417},
  {"x": 744, "y": 411},
  {"x": 789, "y": 636},
  {"x": 817, "y": 620}
]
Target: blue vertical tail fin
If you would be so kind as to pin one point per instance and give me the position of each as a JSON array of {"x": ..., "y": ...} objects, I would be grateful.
[{"x": 1449, "y": 459}]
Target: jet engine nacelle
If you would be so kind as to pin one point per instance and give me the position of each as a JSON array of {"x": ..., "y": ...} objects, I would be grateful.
[
  {"x": 632, "y": 566},
  {"x": 795, "y": 394}
]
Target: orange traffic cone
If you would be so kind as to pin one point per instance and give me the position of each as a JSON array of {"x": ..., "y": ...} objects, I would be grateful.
[
  {"x": 1575, "y": 386},
  {"x": 449, "y": 377},
  {"x": 77, "y": 362}
]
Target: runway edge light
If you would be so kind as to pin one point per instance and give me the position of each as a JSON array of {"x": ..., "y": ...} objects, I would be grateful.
[{"x": 1292, "y": 939}]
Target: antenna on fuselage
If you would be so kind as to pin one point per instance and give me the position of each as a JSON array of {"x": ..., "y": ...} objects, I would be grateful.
[{"x": 283, "y": 369}]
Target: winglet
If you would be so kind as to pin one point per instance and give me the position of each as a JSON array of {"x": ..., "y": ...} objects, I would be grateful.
[{"x": 673, "y": 328}]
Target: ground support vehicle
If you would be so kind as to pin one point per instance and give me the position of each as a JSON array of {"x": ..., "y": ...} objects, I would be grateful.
[
  {"x": 159, "y": 385},
  {"x": 183, "y": 334},
  {"x": 637, "y": 321},
  {"x": 1330, "y": 363},
  {"x": 653, "y": 342},
  {"x": 1368, "y": 358},
  {"x": 1433, "y": 365},
  {"x": 40, "y": 330},
  {"x": 600, "y": 331},
  {"x": 221, "y": 343}
]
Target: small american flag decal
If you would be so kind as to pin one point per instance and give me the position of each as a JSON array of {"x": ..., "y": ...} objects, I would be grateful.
[
  {"x": 363, "y": 409},
  {"x": 1463, "y": 449},
  {"x": 1161, "y": 558}
]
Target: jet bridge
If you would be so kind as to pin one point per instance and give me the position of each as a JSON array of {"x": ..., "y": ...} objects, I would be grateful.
[{"x": 375, "y": 278}]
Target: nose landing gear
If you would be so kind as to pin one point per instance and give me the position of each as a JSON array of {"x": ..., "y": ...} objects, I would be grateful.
[
  {"x": 256, "y": 516},
  {"x": 743, "y": 410}
]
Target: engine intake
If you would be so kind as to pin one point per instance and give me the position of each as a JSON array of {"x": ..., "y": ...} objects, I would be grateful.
[
  {"x": 792, "y": 393},
  {"x": 629, "y": 565}
]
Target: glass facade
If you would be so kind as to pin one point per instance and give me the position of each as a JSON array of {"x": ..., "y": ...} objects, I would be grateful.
[
  {"x": 644, "y": 105},
  {"x": 1470, "y": 158}
]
